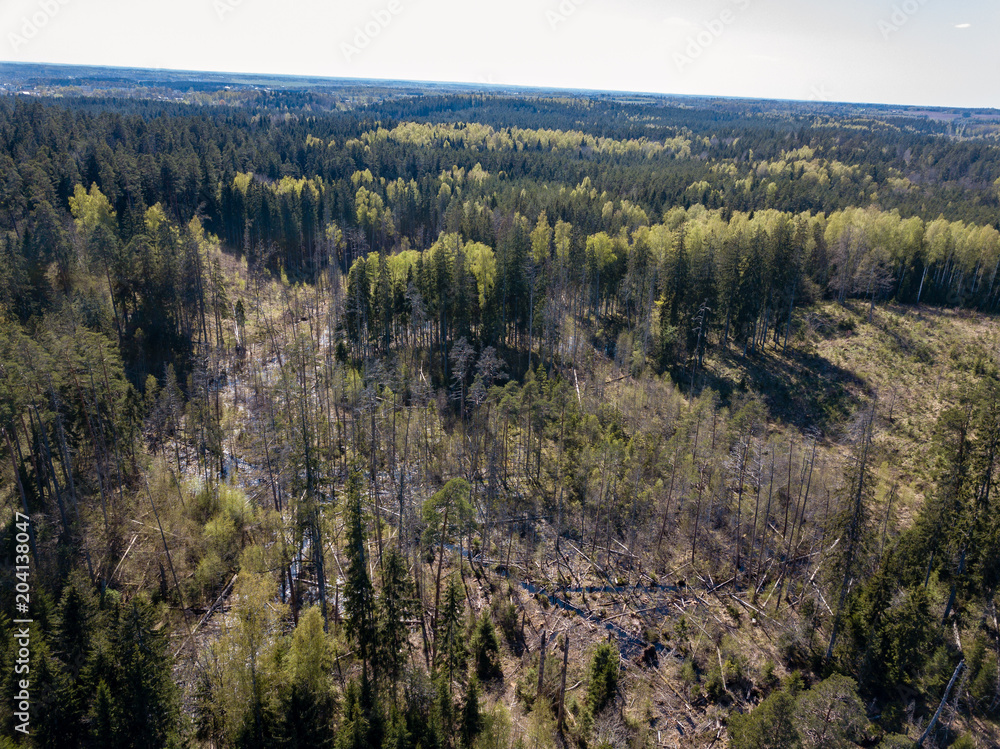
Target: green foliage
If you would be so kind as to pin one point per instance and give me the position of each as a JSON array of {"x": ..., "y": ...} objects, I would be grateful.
[
  {"x": 395, "y": 606},
  {"x": 471, "y": 721},
  {"x": 397, "y": 736},
  {"x": 729, "y": 675},
  {"x": 771, "y": 725},
  {"x": 76, "y": 617},
  {"x": 982, "y": 671},
  {"x": 485, "y": 647},
  {"x": 443, "y": 712},
  {"x": 308, "y": 661},
  {"x": 102, "y": 722},
  {"x": 541, "y": 732},
  {"x": 896, "y": 741},
  {"x": 689, "y": 675},
  {"x": 602, "y": 682},
  {"x": 768, "y": 678},
  {"x": 55, "y": 688},
  {"x": 505, "y": 613},
  {"x": 715, "y": 685},
  {"x": 889, "y": 631},
  {"x": 830, "y": 715},
  {"x": 451, "y": 501},
  {"x": 144, "y": 258},
  {"x": 497, "y": 729},
  {"x": 450, "y": 648},
  {"x": 231, "y": 517},
  {"x": 359, "y": 594},
  {"x": 938, "y": 669},
  {"x": 134, "y": 665},
  {"x": 240, "y": 674},
  {"x": 355, "y": 728}
]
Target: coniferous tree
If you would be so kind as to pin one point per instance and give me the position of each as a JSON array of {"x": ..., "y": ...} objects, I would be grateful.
[
  {"x": 485, "y": 647},
  {"x": 395, "y": 607},
  {"x": 359, "y": 594}
]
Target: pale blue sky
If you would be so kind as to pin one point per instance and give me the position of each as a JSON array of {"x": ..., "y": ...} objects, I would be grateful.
[{"x": 926, "y": 52}]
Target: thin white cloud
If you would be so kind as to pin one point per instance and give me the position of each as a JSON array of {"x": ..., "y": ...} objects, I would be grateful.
[{"x": 963, "y": 25}]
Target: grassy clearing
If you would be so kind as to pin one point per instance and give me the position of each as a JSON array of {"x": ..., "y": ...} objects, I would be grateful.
[{"x": 917, "y": 360}]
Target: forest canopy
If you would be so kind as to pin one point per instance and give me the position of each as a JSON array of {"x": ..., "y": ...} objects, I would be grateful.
[{"x": 387, "y": 423}]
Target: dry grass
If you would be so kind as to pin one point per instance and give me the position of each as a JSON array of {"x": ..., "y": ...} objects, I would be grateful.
[{"x": 917, "y": 360}]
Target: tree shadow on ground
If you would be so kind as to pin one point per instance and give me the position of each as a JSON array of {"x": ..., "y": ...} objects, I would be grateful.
[{"x": 799, "y": 388}]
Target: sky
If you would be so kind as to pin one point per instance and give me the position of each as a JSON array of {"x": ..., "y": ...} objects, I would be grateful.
[{"x": 917, "y": 52}]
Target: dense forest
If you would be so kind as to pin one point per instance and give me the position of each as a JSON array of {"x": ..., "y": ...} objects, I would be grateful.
[{"x": 466, "y": 420}]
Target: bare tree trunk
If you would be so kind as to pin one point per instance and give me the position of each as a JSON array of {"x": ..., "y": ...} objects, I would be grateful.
[
  {"x": 562, "y": 684},
  {"x": 800, "y": 511},
  {"x": 24, "y": 497},
  {"x": 670, "y": 491},
  {"x": 166, "y": 548},
  {"x": 437, "y": 584},
  {"x": 541, "y": 667},
  {"x": 944, "y": 701},
  {"x": 855, "y": 530}
]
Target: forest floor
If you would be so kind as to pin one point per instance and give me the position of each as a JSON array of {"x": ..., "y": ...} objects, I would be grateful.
[
  {"x": 915, "y": 360},
  {"x": 673, "y": 623},
  {"x": 657, "y": 626}
]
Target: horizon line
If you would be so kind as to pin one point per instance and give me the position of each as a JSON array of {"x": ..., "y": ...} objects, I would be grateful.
[{"x": 501, "y": 86}]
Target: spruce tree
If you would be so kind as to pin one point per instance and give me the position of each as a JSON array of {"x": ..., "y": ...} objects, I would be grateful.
[
  {"x": 486, "y": 649},
  {"x": 359, "y": 595},
  {"x": 395, "y": 606}
]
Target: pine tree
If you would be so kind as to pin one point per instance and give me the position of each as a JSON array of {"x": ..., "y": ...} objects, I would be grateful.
[
  {"x": 602, "y": 683},
  {"x": 354, "y": 726},
  {"x": 136, "y": 668},
  {"x": 471, "y": 722},
  {"x": 102, "y": 721},
  {"x": 770, "y": 725},
  {"x": 854, "y": 519},
  {"x": 830, "y": 715},
  {"x": 359, "y": 595},
  {"x": 307, "y": 708},
  {"x": 395, "y": 606},
  {"x": 449, "y": 640},
  {"x": 485, "y": 647}
]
